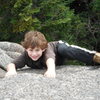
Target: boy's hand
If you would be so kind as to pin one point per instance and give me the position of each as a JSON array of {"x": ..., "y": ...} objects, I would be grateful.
[
  {"x": 10, "y": 73},
  {"x": 11, "y": 70},
  {"x": 51, "y": 74}
]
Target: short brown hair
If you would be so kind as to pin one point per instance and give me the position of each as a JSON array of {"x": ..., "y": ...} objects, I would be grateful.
[{"x": 34, "y": 39}]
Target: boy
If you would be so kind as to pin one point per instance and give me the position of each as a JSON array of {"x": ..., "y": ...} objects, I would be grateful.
[{"x": 41, "y": 54}]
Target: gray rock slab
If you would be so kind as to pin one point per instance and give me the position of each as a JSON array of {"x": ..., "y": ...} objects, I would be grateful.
[
  {"x": 11, "y": 46},
  {"x": 71, "y": 83},
  {"x": 8, "y": 52}
]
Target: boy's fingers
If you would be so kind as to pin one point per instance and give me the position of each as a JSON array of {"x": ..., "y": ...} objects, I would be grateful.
[
  {"x": 10, "y": 74},
  {"x": 49, "y": 75}
]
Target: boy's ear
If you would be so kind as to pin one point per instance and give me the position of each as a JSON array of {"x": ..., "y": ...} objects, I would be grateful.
[{"x": 43, "y": 50}]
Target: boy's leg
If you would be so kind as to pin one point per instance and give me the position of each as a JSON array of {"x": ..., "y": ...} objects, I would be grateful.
[{"x": 77, "y": 53}]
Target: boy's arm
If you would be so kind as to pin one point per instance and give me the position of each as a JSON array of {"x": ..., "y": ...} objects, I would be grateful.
[
  {"x": 11, "y": 70},
  {"x": 17, "y": 63},
  {"x": 50, "y": 68}
]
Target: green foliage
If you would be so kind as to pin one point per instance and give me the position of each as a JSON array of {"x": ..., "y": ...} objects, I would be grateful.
[
  {"x": 24, "y": 18},
  {"x": 91, "y": 18},
  {"x": 52, "y": 17},
  {"x": 96, "y": 6},
  {"x": 58, "y": 21},
  {"x": 17, "y": 16}
]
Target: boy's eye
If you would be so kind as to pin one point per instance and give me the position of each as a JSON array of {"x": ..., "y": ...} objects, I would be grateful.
[{"x": 30, "y": 50}]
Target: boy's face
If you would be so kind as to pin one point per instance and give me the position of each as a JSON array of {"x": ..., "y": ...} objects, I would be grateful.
[{"x": 35, "y": 53}]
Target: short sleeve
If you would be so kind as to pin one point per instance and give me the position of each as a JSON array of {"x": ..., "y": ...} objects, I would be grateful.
[
  {"x": 20, "y": 61},
  {"x": 50, "y": 51}
]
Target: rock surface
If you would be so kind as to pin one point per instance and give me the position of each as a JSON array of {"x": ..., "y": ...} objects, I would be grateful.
[
  {"x": 8, "y": 52},
  {"x": 71, "y": 83}
]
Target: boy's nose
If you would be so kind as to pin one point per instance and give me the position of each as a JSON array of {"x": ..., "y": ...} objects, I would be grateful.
[{"x": 34, "y": 53}]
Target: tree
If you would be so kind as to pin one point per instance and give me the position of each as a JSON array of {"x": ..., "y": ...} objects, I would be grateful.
[
  {"x": 17, "y": 16},
  {"x": 70, "y": 20}
]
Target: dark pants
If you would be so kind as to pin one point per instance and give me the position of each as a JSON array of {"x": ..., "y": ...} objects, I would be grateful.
[{"x": 76, "y": 53}]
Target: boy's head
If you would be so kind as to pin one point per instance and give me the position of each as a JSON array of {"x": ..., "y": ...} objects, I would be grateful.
[
  {"x": 34, "y": 39},
  {"x": 35, "y": 44}
]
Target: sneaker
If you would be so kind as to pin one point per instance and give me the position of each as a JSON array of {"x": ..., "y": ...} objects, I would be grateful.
[{"x": 96, "y": 57}]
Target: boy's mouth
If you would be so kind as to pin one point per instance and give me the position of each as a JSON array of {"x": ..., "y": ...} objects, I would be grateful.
[{"x": 34, "y": 57}]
